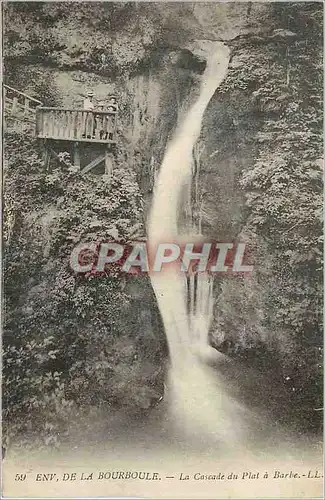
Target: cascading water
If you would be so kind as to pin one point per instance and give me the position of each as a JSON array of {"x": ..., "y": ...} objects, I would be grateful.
[{"x": 196, "y": 399}]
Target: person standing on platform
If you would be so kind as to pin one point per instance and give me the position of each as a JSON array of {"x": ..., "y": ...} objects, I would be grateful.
[
  {"x": 90, "y": 121},
  {"x": 112, "y": 110},
  {"x": 104, "y": 122}
]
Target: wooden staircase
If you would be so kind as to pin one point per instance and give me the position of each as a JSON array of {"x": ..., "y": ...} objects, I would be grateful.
[{"x": 19, "y": 109}]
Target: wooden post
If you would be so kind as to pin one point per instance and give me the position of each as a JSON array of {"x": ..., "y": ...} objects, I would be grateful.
[
  {"x": 93, "y": 164},
  {"x": 109, "y": 162},
  {"x": 69, "y": 124},
  {"x": 76, "y": 155},
  {"x": 26, "y": 105},
  {"x": 14, "y": 104},
  {"x": 46, "y": 154},
  {"x": 38, "y": 122},
  {"x": 55, "y": 123},
  {"x": 81, "y": 130},
  {"x": 75, "y": 121}
]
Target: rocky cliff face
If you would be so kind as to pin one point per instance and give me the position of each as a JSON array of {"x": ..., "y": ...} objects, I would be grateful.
[{"x": 152, "y": 68}]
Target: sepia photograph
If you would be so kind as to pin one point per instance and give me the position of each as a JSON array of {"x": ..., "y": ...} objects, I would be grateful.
[{"x": 162, "y": 249}]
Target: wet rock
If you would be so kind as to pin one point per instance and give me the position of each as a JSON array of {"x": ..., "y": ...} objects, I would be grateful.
[
  {"x": 186, "y": 59},
  {"x": 282, "y": 35}
]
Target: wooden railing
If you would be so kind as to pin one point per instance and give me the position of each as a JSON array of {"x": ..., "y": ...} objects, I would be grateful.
[
  {"x": 75, "y": 125},
  {"x": 18, "y": 105}
]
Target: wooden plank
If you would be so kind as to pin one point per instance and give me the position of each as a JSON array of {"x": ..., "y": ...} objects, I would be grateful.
[
  {"x": 26, "y": 105},
  {"x": 38, "y": 123},
  {"x": 67, "y": 117},
  {"x": 81, "y": 124},
  {"x": 48, "y": 108},
  {"x": 62, "y": 123},
  {"x": 109, "y": 163},
  {"x": 66, "y": 120},
  {"x": 54, "y": 120},
  {"x": 65, "y": 124},
  {"x": 46, "y": 124},
  {"x": 82, "y": 139},
  {"x": 89, "y": 126},
  {"x": 14, "y": 104},
  {"x": 76, "y": 155},
  {"x": 59, "y": 121},
  {"x": 93, "y": 164},
  {"x": 46, "y": 154},
  {"x": 43, "y": 124},
  {"x": 74, "y": 124},
  {"x": 84, "y": 132},
  {"x": 90, "y": 119},
  {"x": 48, "y": 117},
  {"x": 68, "y": 125},
  {"x": 56, "y": 123},
  {"x": 51, "y": 120}
]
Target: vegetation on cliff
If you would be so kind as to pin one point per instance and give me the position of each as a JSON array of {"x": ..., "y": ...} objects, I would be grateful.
[
  {"x": 73, "y": 343},
  {"x": 70, "y": 341}
]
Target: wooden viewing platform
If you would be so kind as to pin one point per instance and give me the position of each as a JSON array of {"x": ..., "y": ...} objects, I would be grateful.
[
  {"x": 79, "y": 127},
  {"x": 76, "y": 125}
]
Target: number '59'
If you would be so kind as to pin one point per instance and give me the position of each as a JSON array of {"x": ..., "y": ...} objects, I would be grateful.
[{"x": 20, "y": 477}]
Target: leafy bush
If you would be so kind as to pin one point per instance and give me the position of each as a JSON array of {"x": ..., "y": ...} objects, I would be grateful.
[{"x": 70, "y": 341}]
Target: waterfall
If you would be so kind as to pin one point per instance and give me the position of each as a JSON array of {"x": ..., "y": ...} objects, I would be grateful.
[{"x": 186, "y": 303}]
